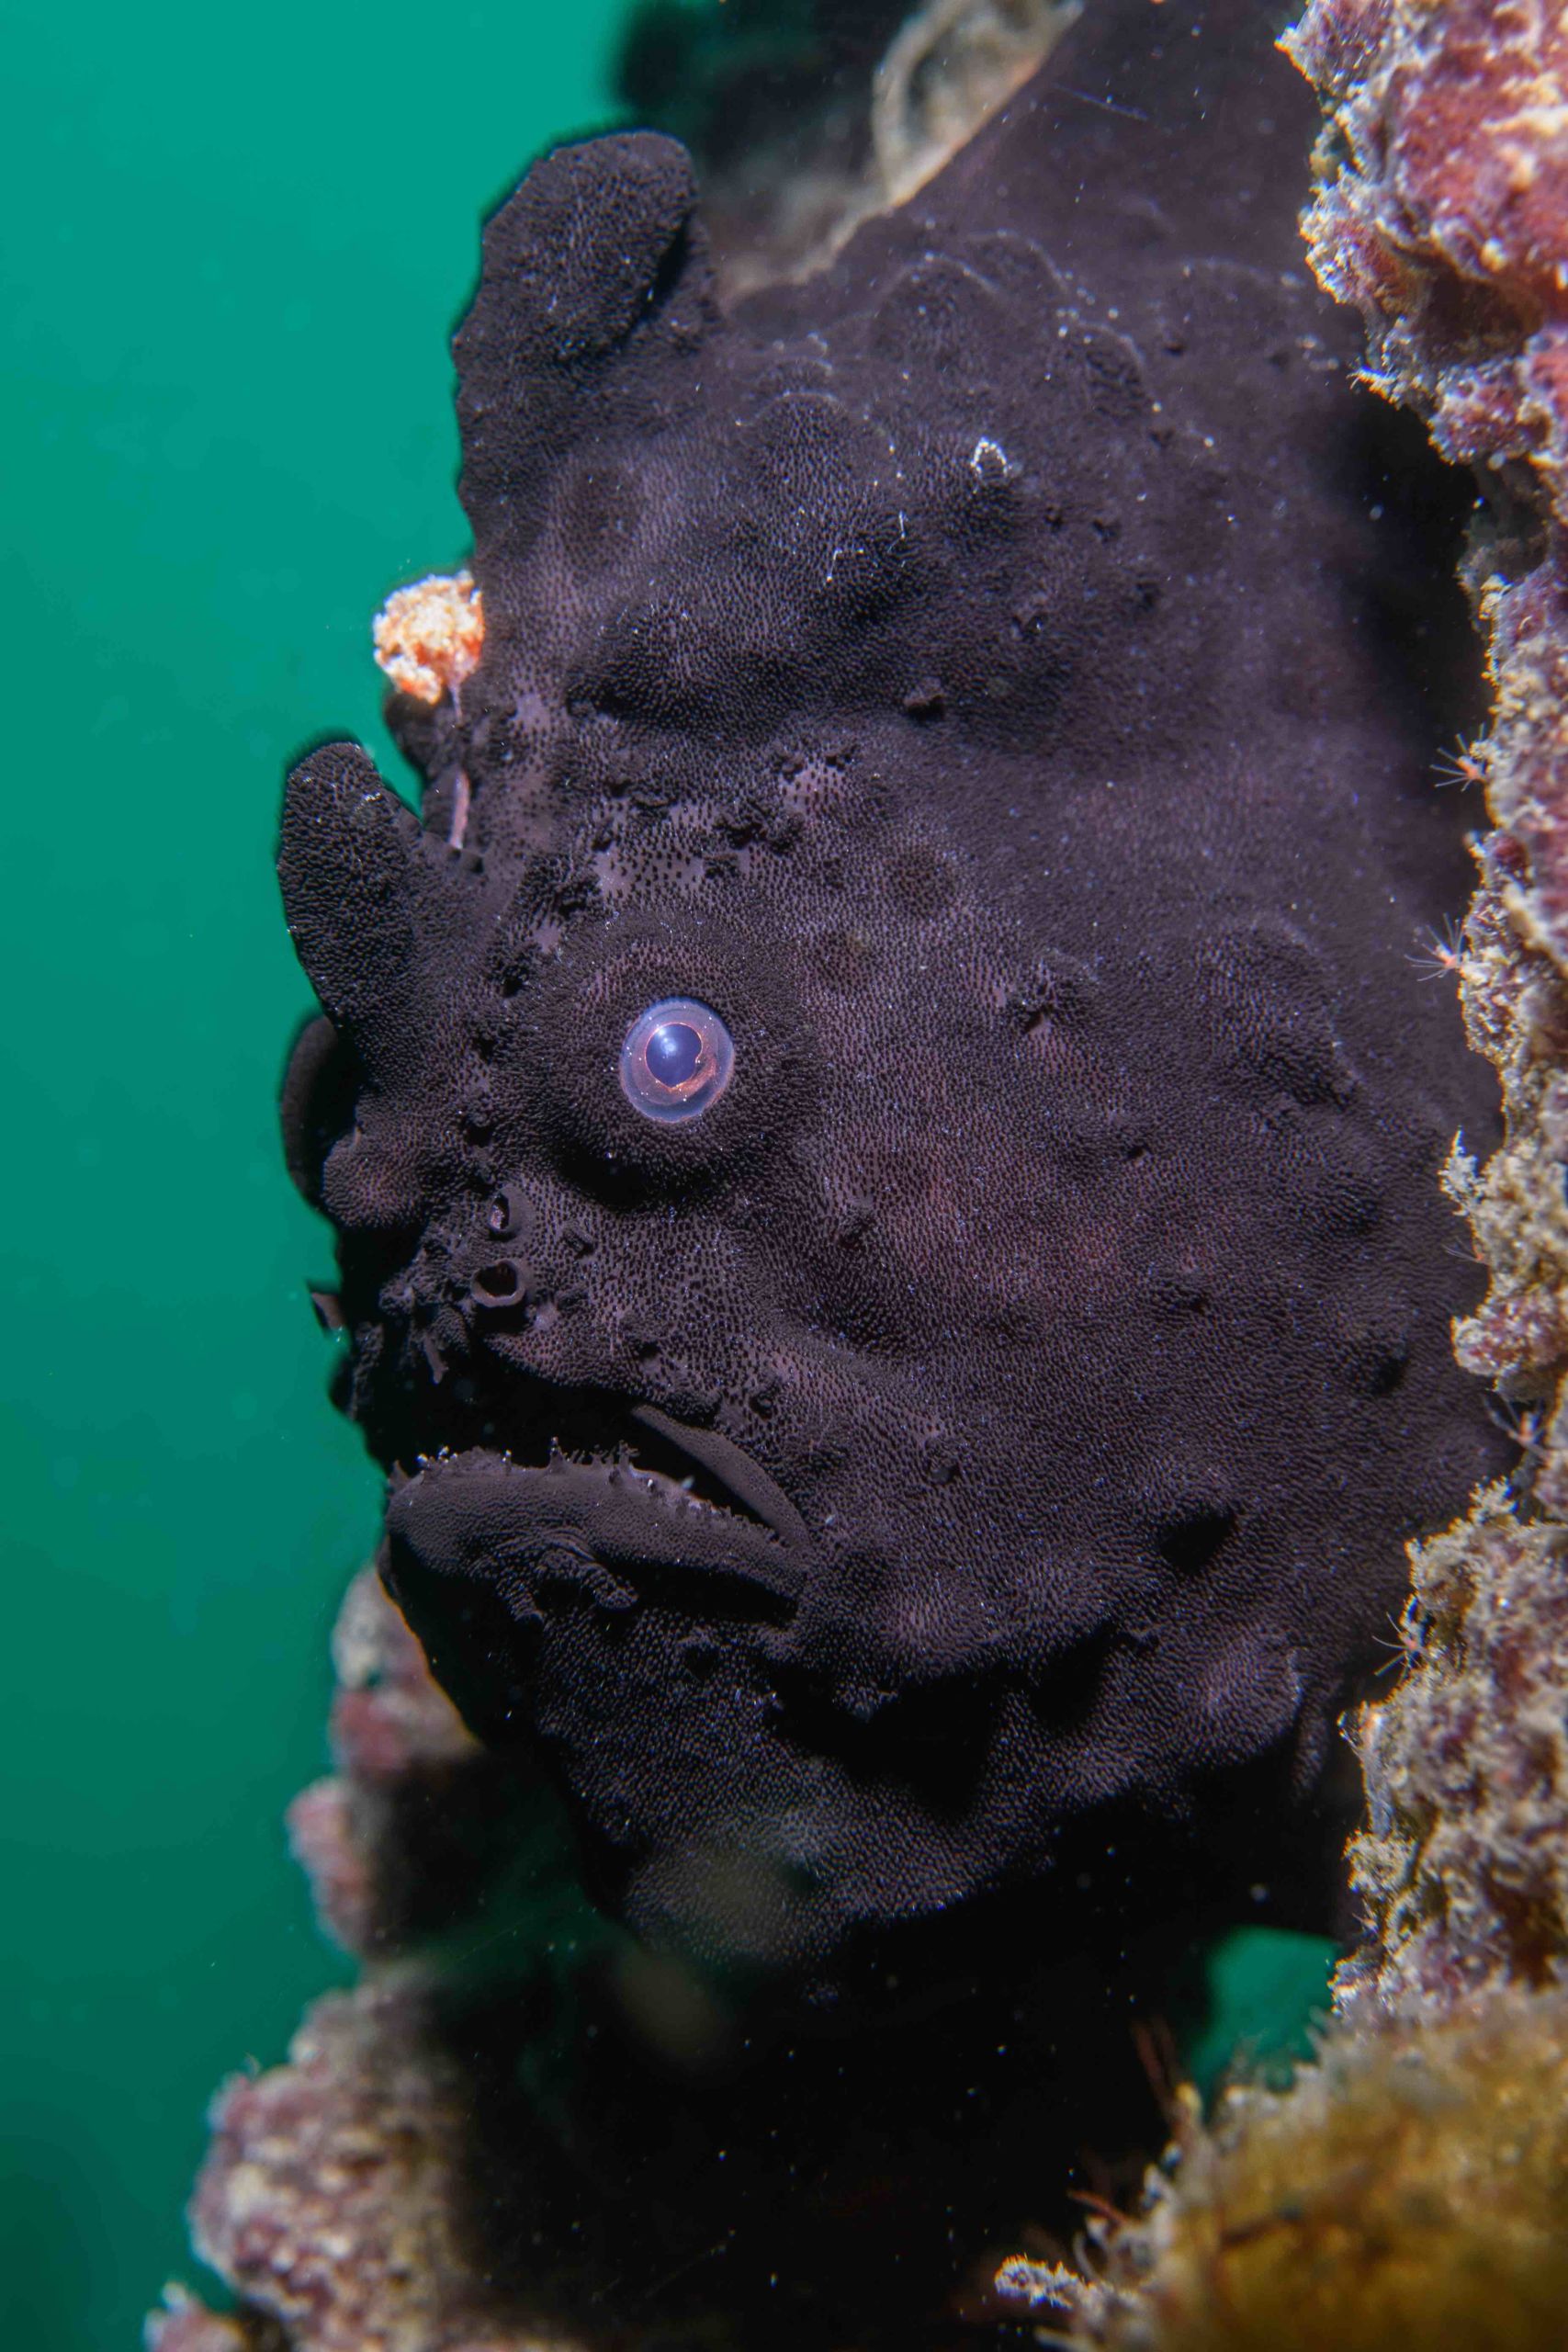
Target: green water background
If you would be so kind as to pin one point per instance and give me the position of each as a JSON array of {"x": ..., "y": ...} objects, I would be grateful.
[
  {"x": 233, "y": 244},
  {"x": 232, "y": 248}
]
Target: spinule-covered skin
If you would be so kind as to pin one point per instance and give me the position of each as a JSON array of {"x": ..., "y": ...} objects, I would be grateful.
[{"x": 993, "y": 684}]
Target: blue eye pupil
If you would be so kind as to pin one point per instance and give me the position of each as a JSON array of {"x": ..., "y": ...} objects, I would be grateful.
[
  {"x": 673, "y": 1053},
  {"x": 676, "y": 1060}
]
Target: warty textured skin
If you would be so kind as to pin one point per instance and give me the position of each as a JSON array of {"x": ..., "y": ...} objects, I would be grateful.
[{"x": 1001, "y": 677}]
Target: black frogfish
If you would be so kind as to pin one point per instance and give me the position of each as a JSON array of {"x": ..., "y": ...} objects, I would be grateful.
[{"x": 883, "y": 1129}]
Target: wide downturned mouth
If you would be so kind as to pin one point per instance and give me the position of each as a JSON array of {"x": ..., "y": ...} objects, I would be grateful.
[
  {"x": 595, "y": 1482},
  {"x": 587, "y": 1424}
]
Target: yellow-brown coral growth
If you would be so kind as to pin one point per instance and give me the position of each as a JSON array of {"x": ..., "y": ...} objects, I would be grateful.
[{"x": 1410, "y": 2190}]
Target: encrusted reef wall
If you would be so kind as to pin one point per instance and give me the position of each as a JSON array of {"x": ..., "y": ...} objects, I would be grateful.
[
  {"x": 1442, "y": 216},
  {"x": 338, "y": 2197},
  {"x": 1412, "y": 2186},
  {"x": 1441, "y": 213}
]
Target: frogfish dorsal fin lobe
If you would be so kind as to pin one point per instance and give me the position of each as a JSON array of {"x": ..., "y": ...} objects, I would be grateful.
[{"x": 600, "y": 247}]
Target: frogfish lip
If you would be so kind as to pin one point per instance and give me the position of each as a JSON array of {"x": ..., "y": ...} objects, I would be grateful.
[
  {"x": 732, "y": 1468},
  {"x": 482, "y": 1551}
]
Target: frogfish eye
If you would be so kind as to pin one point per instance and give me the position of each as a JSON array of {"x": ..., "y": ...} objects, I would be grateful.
[{"x": 677, "y": 1059}]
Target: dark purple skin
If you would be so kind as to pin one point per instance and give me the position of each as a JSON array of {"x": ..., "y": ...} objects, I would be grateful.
[{"x": 992, "y": 675}]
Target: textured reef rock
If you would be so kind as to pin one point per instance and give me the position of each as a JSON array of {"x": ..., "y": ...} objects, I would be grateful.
[
  {"x": 997, "y": 679},
  {"x": 335, "y": 2194},
  {"x": 1412, "y": 2187},
  {"x": 1442, "y": 217},
  {"x": 1442, "y": 214},
  {"x": 1462, "y": 1868}
]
